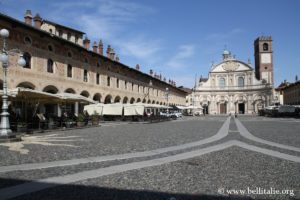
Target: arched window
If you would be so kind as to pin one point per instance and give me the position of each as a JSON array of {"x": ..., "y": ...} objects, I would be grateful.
[
  {"x": 108, "y": 81},
  {"x": 69, "y": 71},
  {"x": 265, "y": 47},
  {"x": 98, "y": 79},
  {"x": 222, "y": 83},
  {"x": 50, "y": 66},
  {"x": 118, "y": 83},
  {"x": 85, "y": 76},
  {"x": 240, "y": 82},
  {"x": 27, "y": 58}
]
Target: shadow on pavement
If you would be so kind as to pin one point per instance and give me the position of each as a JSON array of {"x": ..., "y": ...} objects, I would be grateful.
[{"x": 74, "y": 192}]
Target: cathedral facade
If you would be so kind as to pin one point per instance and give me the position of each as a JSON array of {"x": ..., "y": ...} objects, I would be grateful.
[{"x": 234, "y": 86}]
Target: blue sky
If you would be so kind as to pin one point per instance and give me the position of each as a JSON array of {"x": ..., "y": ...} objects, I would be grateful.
[{"x": 179, "y": 38}]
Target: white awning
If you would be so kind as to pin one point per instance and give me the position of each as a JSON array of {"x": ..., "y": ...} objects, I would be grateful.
[
  {"x": 94, "y": 108},
  {"x": 74, "y": 98},
  {"x": 113, "y": 109},
  {"x": 27, "y": 94}
]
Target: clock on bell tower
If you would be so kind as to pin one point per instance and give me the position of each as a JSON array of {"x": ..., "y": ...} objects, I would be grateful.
[{"x": 264, "y": 59}]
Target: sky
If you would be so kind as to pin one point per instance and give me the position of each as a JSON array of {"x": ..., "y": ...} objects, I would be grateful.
[{"x": 179, "y": 39}]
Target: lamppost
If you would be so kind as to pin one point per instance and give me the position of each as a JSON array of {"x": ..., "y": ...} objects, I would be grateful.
[
  {"x": 6, "y": 133},
  {"x": 167, "y": 96}
]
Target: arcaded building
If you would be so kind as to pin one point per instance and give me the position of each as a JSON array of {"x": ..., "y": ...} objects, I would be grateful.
[
  {"x": 60, "y": 59},
  {"x": 234, "y": 86}
]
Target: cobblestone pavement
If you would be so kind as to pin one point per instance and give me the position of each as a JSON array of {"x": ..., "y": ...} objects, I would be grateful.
[{"x": 211, "y": 157}]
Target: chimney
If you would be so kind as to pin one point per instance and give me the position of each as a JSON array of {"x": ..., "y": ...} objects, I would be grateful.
[
  {"x": 151, "y": 72},
  {"x": 95, "y": 47},
  {"x": 108, "y": 51},
  {"x": 100, "y": 47},
  {"x": 112, "y": 54},
  {"x": 137, "y": 67},
  {"x": 37, "y": 21},
  {"x": 86, "y": 43},
  {"x": 28, "y": 17},
  {"x": 117, "y": 58}
]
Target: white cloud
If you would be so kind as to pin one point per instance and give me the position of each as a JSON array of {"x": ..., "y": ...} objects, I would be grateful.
[
  {"x": 180, "y": 59},
  {"x": 109, "y": 20}
]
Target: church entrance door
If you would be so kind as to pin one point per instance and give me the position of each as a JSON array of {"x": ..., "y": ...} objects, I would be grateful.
[
  {"x": 223, "y": 108},
  {"x": 241, "y": 108}
]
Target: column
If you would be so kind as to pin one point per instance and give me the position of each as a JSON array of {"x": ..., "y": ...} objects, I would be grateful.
[{"x": 76, "y": 108}]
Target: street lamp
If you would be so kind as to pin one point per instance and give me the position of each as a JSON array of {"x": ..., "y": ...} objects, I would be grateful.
[
  {"x": 6, "y": 133},
  {"x": 167, "y": 96}
]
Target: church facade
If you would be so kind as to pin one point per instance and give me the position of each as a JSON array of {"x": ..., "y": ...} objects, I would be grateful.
[{"x": 234, "y": 86}]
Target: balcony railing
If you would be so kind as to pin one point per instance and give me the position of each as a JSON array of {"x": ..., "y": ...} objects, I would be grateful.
[{"x": 229, "y": 88}]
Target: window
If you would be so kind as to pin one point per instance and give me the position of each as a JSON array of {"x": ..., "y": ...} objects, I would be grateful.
[
  {"x": 98, "y": 64},
  {"x": 69, "y": 54},
  {"x": 222, "y": 82},
  {"x": 108, "y": 81},
  {"x": 125, "y": 85},
  {"x": 86, "y": 60},
  {"x": 240, "y": 82},
  {"x": 98, "y": 79},
  {"x": 85, "y": 76},
  {"x": 118, "y": 83},
  {"x": 265, "y": 47},
  {"x": 50, "y": 30},
  {"x": 69, "y": 36},
  {"x": 27, "y": 58},
  {"x": 60, "y": 33},
  {"x": 132, "y": 86},
  {"x": 76, "y": 39},
  {"x": 50, "y": 47},
  {"x": 27, "y": 40},
  {"x": 69, "y": 71},
  {"x": 50, "y": 66}
]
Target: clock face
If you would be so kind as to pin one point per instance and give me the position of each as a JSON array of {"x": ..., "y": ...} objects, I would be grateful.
[{"x": 265, "y": 58}]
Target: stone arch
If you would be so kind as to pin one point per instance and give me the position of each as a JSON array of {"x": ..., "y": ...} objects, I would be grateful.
[
  {"x": 132, "y": 100},
  {"x": 107, "y": 99},
  {"x": 117, "y": 99},
  {"x": 153, "y": 102},
  {"x": 160, "y": 103},
  {"x": 149, "y": 101},
  {"x": 26, "y": 85},
  {"x": 138, "y": 100},
  {"x": 50, "y": 89},
  {"x": 85, "y": 93},
  {"x": 125, "y": 100},
  {"x": 157, "y": 102},
  {"x": 70, "y": 90},
  {"x": 144, "y": 100},
  {"x": 97, "y": 97}
]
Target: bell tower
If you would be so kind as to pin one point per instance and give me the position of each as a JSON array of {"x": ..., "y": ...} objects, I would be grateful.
[{"x": 263, "y": 54}]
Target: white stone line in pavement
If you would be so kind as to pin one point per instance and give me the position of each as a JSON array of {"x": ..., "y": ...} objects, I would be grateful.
[
  {"x": 267, "y": 151},
  {"x": 223, "y": 132},
  {"x": 30, "y": 187},
  {"x": 245, "y": 133}
]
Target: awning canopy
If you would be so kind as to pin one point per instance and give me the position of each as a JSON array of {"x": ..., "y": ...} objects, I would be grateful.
[
  {"x": 94, "y": 109},
  {"x": 69, "y": 97},
  {"x": 113, "y": 109},
  {"x": 26, "y": 94}
]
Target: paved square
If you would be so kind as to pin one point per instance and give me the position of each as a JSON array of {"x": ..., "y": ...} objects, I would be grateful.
[{"x": 211, "y": 157}]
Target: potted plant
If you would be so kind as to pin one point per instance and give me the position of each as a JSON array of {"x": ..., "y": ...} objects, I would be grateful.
[
  {"x": 21, "y": 127},
  {"x": 80, "y": 120},
  {"x": 69, "y": 122},
  {"x": 95, "y": 118}
]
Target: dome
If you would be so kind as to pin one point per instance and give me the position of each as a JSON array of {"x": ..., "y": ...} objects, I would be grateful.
[{"x": 226, "y": 52}]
